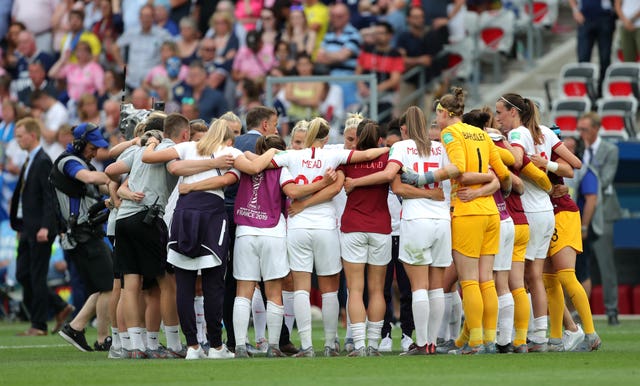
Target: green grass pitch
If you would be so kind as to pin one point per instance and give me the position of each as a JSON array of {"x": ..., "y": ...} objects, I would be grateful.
[{"x": 51, "y": 361}]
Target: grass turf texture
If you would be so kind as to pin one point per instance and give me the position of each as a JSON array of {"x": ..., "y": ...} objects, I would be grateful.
[{"x": 51, "y": 361}]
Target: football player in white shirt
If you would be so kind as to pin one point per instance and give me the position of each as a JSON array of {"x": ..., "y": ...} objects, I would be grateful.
[
  {"x": 519, "y": 117},
  {"x": 425, "y": 227},
  {"x": 312, "y": 239}
]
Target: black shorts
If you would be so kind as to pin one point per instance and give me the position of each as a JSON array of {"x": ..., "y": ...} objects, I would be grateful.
[
  {"x": 141, "y": 248},
  {"x": 94, "y": 265},
  {"x": 583, "y": 267}
]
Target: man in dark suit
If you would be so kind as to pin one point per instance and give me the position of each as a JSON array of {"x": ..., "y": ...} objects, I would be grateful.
[
  {"x": 602, "y": 157},
  {"x": 32, "y": 216}
]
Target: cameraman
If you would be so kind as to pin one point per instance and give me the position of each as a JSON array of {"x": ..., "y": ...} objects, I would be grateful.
[{"x": 78, "y": 188}]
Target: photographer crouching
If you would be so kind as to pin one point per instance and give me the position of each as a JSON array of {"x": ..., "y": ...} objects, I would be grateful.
[{"x": 79, "y": 189}]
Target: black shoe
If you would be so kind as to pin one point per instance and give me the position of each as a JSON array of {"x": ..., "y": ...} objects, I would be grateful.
[
  {"x": 76, "y": 338},
  {"x": 104, "y": 346},
  {"x": 613, "y": 320},
  {"x": 506, "y": 349}
]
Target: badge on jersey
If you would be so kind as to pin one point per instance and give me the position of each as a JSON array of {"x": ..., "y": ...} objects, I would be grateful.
[
  {"x": 447, "y": 138},
  {"x": 514, "y": 136}
]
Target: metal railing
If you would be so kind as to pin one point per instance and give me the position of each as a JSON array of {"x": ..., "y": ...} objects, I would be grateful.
[{"x": 372, "y": 100}]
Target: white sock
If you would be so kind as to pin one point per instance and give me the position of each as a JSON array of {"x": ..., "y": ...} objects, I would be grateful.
[
  {"x": 420, "y": 307},
  {"x": 274, "y": 322},
  {"x": 125, "y": 340},
  {"x": 241, "y": 313},
  {"x": 152, "y": 340},
  {"x": 198, "y": 306},
  {"x": 359, "y": 332},
  {"x": 456, "y": 315},
  {"x": 259, "y": 314},
  {"x": 374, "y": 333},
  {"x": 436, "y": 313},
  {"x": 330, "y": 314},
  {"x": 302, "y": 310},
  {"x": 135, "y": 333},
  {"x": 115, "y": 338},
  {"x": 505, "y": 319},
  {"x": 541, "y": 324},
  {"x": 173, "y": 337},
  {"x": 443, "y": 333},
  {"x": 287, "y": 302}
]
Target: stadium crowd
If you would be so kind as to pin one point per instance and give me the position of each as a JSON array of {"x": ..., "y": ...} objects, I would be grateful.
[{"x": 197, "y": 198}]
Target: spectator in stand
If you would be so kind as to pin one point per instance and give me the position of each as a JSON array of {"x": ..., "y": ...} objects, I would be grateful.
[
  {"x": 27, "y": 53},
  {"x": 255, "y": 60},
  {"x": 60, "y": 21},
  {"x": 189, "y": 109},
  {"x": 161, "y": 18},
  {"x": 211, "y": 103},
  {"x": 36, "y": 17},
  {"x": 339, "y": 51},
  {"x": 113, "y": 86},
  {"x": 188, "y": 40},
  {"x": 437, "y": 14},
  {"x": 250, "y": 93},
  {"x": 297, "y": 33},
  {"x": 285, "y": 61},
  {"x": 111, "y": 110},
  {"x": 216, "y": 73},
  {"x": 226, "y": 6},
  {"x": 161, "y": 90},
  {"x": 629, "y": 14},
  {"x": 78, "y": 34},
  {"x": 304, "y": 97},
  {"x": 84, "y": 76},
  {"x": 108, "y": 28},
  {"x": 219, "y": 50},
  {"x": 596, "y": 24},
  {"x": 386, "y": 62},
  {"x": 10, "y": 44},
  {"x": 170, "y": 66},
  {"x": 88, "y": 111},
  {"x": 143, "y": 48},
  {"x": 247, "y": 13},
  {"x": 269, "y": 27},
  {"x": 53, "y": 114},
  {"x": 140, "y": 99},
  {"x": 317, "y": 15},
  {"x": 419, "y": 45},
  {"x": 39, "y": 81}
]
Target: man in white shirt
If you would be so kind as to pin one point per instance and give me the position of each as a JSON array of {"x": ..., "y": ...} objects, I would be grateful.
[{"x": 53, "y": 115}]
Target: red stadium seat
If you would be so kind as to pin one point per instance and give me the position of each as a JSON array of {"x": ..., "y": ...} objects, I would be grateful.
[
  {"x": 597, "y": 300},
  {"x": 617, "y": 116},
  {"x": 566, "y": 111},
  {"x": 635, "y": 300},
  {"x": 624, "y": 299}
]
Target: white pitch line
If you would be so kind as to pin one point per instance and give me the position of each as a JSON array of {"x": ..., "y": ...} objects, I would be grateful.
[{"x": 33, "y": 346}]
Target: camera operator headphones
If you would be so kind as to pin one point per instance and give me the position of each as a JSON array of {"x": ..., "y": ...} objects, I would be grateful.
[{"x": 80, "y": 143}]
